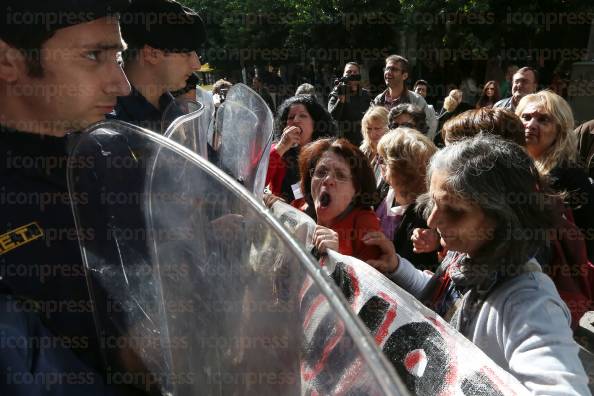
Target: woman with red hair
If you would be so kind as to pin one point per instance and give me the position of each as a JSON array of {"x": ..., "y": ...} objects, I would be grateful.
[{"x": 339, "y": 188}]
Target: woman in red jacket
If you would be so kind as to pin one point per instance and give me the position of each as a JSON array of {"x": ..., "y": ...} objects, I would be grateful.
[
  {"x": 339, "y": 188},
  {"x": 300, "y": 120}
]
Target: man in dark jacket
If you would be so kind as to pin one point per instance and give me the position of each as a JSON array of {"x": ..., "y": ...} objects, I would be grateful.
[
  {"x": 348, "y": 103},
  {"x": 585, "y": 133},
  {"x": 163, "y": 52},
  {"x": 56, "y": 78}
]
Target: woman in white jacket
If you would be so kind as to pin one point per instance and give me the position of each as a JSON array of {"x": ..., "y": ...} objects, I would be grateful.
[{"x": 490, "y": 207}]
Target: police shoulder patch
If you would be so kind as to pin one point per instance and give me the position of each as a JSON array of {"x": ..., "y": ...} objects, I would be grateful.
[{"x": 19, "y": 237}]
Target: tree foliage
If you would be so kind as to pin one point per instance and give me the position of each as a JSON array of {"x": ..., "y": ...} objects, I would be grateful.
[{"x": 429, "y": 31}]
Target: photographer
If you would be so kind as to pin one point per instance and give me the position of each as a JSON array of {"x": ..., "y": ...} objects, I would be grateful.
[
  {"x": 348, "y": 103},
  {"x": 219, "y": 91}
]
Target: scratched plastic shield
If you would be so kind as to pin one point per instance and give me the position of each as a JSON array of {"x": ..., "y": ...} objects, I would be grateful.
[
  {"x": 242, "y": 137},
  {"x": 183, "y": 122},
  {"x": 204, "y": 97},
  {"x": 228, "y": 302}
]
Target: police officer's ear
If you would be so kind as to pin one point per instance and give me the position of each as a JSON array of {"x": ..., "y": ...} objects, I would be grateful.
[
  {"x": 151, "y": 55},
  {"x": 12, "y": 63}
]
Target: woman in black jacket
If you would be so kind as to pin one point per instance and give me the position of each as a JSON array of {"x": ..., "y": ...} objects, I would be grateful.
[{"x": 550, "y": 141}]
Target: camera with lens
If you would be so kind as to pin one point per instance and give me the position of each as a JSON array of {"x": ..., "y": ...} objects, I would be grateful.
[
  {"x": 223, "y": 94},
  {"x": 341, "y": 83}
]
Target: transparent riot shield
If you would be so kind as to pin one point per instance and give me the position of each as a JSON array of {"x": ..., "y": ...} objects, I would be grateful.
[
  {"x": 106, "y": 181},
  {"x": 207, "y": 119},
  {"x": 236, "y": 305},
  {"x": 242, "y": 137},
  {"x": 182, "y": 123}
]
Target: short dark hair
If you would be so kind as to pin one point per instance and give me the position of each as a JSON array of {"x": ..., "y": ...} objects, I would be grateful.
[
  {"x": 363, "y": 176},
  {"x": 49, "y": 16},
  {"x": 420, "y": 82},
  {"x": 30, "y": 46},
  {"x": 401, "y": 60},
  {"x": 354, "y": 64},
  {"x": 530, "y": 69},
  {"x": 165, "y": 25},
  {"x": 324, "y": 125}
]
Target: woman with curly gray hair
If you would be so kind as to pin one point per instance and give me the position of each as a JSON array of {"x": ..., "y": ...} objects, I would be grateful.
[
  {"x": 489, "y": 204},
  {"x": 410, "y": 116}
]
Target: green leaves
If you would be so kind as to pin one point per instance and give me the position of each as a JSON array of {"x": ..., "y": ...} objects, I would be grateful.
[{"x": 479, "y": 26}]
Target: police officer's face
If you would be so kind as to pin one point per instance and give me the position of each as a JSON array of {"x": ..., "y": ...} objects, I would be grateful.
[
  {"x": 176, "y": 68},
  {"x": 82, "y": 77}
]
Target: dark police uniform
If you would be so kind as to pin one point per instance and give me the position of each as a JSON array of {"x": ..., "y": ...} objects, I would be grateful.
[
  {"x": 36, "y": 361},
  {"x": 39, "y": 253},
  {"x": 175, "y": 29},
  {"x": 136, "y": 110},
  {"x": 41, "y": 267},
  {"x": 40, "y": 261},
  {"x": 49, "y": 343}
]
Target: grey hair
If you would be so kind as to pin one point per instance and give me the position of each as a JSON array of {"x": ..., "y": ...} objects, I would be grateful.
[
  {"x": 415, "y": 112},
  {"x": 500, "y": 178}
]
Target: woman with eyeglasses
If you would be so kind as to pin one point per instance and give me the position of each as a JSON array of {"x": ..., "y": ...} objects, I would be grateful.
[
  {"x": 338, "y": 184},
  {"x": 408, "y": 116}
]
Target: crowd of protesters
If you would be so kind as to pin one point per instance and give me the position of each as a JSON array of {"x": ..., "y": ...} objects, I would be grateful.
[
  {"x": 449, "y": 226},
  {"x": 468, "y": 208}
]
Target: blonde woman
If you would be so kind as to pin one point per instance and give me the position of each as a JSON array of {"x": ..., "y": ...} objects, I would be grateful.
[
  {"x": 404, "y": 156},
  {"x": 373, "y": 126},
  {"x": 550, "y": 141}
]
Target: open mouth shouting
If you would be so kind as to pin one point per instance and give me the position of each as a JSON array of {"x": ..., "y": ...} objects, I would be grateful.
[
  {"x": 332, "y": 188},
  {"x": 325, "y": 199}
]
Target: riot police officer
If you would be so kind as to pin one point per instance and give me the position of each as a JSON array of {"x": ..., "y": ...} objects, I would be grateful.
[
  {"x": 60, "y": 71},
  {"x": 164, "y": 41}
]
